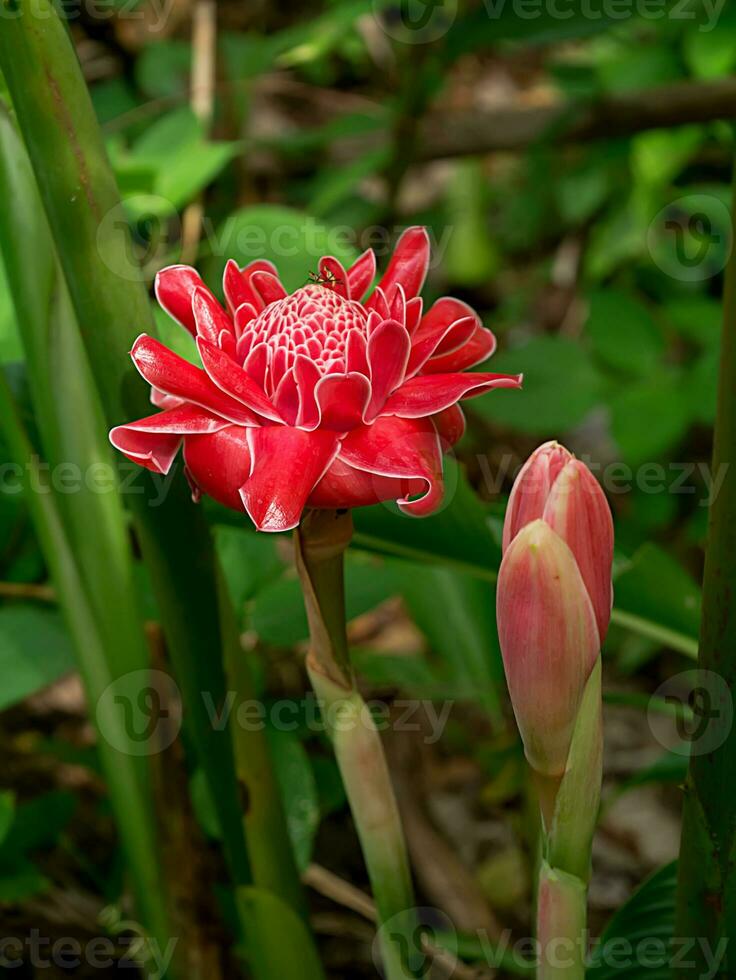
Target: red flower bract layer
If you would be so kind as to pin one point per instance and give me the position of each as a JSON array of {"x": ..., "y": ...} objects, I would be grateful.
[{"x": 321, "y": 398}]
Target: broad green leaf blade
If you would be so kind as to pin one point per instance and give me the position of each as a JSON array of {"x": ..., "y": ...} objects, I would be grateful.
[
  {"x": 279, "y": 946},
  {"x": 644, "y": 925},
  {"x": 35, "y": 650}
]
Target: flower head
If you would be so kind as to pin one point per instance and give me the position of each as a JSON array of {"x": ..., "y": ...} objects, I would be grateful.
[{"x": 319, "y": 398}]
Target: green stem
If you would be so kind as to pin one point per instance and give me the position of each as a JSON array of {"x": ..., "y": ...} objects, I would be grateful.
[
  {"x": 570, "y": 809},
  {"x": 320, "y": 544},
  {"x": 561, "y": 916},
  {"x": 706, "y": 891}
]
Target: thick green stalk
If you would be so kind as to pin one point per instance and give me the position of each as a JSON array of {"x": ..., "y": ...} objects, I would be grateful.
[
  {"x": 92, "y": 524},
  {"x": 706, "y": 891},
  {"x": 88, "y": 223},
  {"x": 130, "y": 798},
  {"x": 573, "y": 803},
  {"x": 320, "y": 545}
]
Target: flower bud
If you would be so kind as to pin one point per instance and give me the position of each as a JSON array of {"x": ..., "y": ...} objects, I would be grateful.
[
  {"x": 560, "y": 489},
  {"x": 549, "y": 641}
]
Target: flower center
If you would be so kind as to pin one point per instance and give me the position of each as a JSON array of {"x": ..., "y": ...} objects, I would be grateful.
[{"x": 314, "y": 321}]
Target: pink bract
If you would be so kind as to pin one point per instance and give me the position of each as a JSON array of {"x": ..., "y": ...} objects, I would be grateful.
[{"x": 321, "y": 398}]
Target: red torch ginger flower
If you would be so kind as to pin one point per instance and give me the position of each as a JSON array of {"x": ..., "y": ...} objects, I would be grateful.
[{"x": 320, "y": 398}]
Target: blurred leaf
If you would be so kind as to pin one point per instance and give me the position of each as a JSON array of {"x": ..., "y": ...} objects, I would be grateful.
[
  {"x": 249, "y": 561},
  {"x": 413, "y": 674},
  {"x": 623, "y": 332},
  {"x": 648, "y": 916},
  {"x": 184, "y": 161},
  {"x": 712, "y": 54},
  {"x": 38, "y": 823},
  {"x": 561, "y": 386},
  {"x": 298, "y": 789},
  {"x": 698, "y": 318},
  {"x": 162, "y": 69},
  {"x": 7, "y": 812},
  {"x": 670, "y": 767},
  {"x": 650, "y": 417},
  {"x": 457, "y": 614},
  {"x": 21, "y": 880},
  {"x": 279, "y": 944},
  {"x": 702, "y": 387},
  {"x": 330, "y": 789},
  {"x": 277, "y": 613},
  {"x": 653, "y": 586},
  {"x": 658, "y": 156},
  {"x": 639, "y": 66},
  {"x": 11, "y": 348},
  {"x": 471, "y": 255},
  {"x": 35, "y": 650}
]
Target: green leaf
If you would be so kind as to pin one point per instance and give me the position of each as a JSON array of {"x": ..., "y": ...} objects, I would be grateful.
[
  {"x": 298, "y": 789},
  {"x": 646, "y": 921},
  {"x": 279, "y": 946},
  {"x": 623, "y": 332},
  {"x": 457, "y": 614},
  {"x": 649, "y": 418},
  {"x": 471, "y": 255},
  {"x": 712, "y": 54},
  {"x": 551, "y": 366},
  {"x": 249, "y": 561},
  {"x": 697, "y": 318},
  {"x": 7, "y": 812},
  {"x": 35, "y": 650},
  {"x": 20, "y": 881},
  {"x": 654, "y": 587}
]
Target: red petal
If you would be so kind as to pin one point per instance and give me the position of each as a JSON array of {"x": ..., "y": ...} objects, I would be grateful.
[
  {"x": 478, "y": 348},
  {"x": 161, "y": 400},
  {"x": 413, "y": 313},
  {"x": 286, "y": 465},
  {"x": 578, "y": 511},
  {"x": 268, "y": 286},
  {"x": 210, "y": 318},
  {"x": 357, "y": 353},
  {"x": 342, "y": 400},
  {"x": 452, "y": 336},
  {"x": 219, "y": 464},
  {"x": 237, "y": 285},
  {"x": 441, "y": 314},
  {"x": 174, "y": 288},
  {"x": 256, "y": 363},
  {"x": 428, "y": 394},
  {"x": 361, "y": 274},
  {"x": 532, "y": 487},
  {"x": 388, "y": 354},
  {"x": 345, "y": 486},
  {"x": 154, "y": 441},
  {"x": 395, "y": 447},
  {"x": 171, "y": 374},
  {"x": 286, "y": 398},
  {"x": 307, "y": 375},
  {"x": 233, "y": 380},
  {"x": 408, "y": 265},
  {"x": 334, "y": 272},
  {"x": 450, "y": 424}
]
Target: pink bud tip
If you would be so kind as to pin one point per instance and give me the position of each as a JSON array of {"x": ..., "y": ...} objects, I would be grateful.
[{"x": 555, "y": 486}]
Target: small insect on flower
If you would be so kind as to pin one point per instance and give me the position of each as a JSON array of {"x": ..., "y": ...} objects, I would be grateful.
[{"x": 328, "y": 279}]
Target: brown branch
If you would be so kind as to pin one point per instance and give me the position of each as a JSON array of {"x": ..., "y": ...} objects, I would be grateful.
[{"x": 478, "y": 131}]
